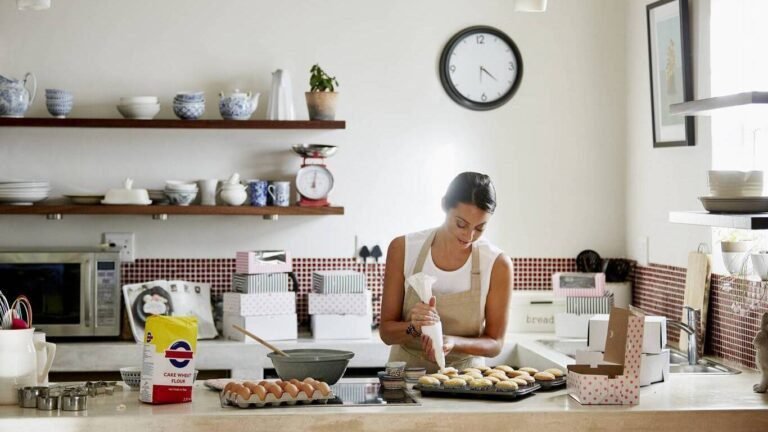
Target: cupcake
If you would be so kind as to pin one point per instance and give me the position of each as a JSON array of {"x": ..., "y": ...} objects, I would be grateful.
[
  {"x": 555, "y": 371},
  {"x": 530, "y": 370},
  {"x": 480, "y": 384},
  {"x": 449, "y": 371},
  {"x": 501, "y": 376},
  {"x": 466, "y": 378},
  {"x": 529, "y": 379},
  {"x": 476, "y": 375},
  {"x": 455, "y": 383},
  {"x": 482, "y": 369},
  {"x": 506, "y": 386},
  {"x": 520, "y": 381},
  {"x": 468, "y": 370},
  {"x": 514, "y": 374},
  {"x": 429, "y": 382},
  {"x": 493, "y": 379},
  {"x": 504, "y": 368},
  {"x": 440, "y": 377}
]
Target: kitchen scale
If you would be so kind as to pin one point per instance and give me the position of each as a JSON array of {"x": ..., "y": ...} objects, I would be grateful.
[{"x": 313, "y": 180}]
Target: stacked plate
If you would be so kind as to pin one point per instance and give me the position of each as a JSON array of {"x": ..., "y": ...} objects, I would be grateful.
[{"x": 23, "y": 192}]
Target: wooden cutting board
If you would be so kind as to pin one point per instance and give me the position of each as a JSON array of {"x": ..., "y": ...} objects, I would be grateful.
[{"x": 697, "y": 280}]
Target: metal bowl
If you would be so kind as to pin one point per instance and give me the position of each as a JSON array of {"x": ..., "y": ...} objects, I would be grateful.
[
  {"x": 315, "y": 150},
  {"x": 321, "y": 364}
]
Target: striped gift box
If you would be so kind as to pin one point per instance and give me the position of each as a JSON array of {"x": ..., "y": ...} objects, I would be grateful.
[
  {"x": 589, "y": 305},
  {"x": 260, "y": 283},
  {"x": 265, "y": 261},
  {"x": 338, "y": 282}
]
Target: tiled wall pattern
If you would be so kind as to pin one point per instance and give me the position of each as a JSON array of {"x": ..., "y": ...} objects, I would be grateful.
[
  {"x": 530, "y": 274},
  {"x": 659, "y": 289}
]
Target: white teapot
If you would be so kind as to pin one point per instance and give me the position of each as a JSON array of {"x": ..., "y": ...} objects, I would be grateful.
[{"x": 19, "y": 363}]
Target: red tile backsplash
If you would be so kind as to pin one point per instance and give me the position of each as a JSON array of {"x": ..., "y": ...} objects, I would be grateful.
[{"x": 657, "y": 289}]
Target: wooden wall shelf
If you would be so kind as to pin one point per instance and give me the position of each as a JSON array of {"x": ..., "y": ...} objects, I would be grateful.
[
  {"x": 739, "y": 221},
  {"x": 171, "y": 123},
  {"x": 162, "y": 211}
]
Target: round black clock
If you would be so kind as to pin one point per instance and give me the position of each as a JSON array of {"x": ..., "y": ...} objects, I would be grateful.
[{"x": 481, "y": 68}]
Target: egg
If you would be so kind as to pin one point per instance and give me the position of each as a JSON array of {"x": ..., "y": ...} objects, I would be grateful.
[
  {"x": 291, "y": 390},
  {"x": 307, "y": 389},
  {"x": 294, "y": 381},
  {"x": 257, "y": 390},
  {"x": 310, "y": 380},
  {"x": 274, "y": 389},
  {"x": 241, "y": 390},
  {"x": 323, "y": 388}
]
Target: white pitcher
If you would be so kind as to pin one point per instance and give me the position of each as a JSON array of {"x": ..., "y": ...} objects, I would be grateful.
[{"x": 19, "y": 365}]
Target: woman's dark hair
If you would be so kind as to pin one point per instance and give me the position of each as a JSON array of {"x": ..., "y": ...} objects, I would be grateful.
[{"x": 471, "y": 188}]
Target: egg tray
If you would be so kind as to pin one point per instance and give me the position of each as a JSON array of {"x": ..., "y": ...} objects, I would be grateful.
[
  {"x": 233, "y": 399},
  {"x": 552, "y": 385},
  {"x": 477, "y": 394}
]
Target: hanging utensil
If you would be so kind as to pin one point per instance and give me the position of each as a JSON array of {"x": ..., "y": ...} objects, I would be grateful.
[
  {"x": 260, "y": 340},
  {"x": 21, "y": 313},
  {"x": 5, "y": 313}
]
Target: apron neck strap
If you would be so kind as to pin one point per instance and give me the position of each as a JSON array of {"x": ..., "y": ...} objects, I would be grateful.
[{"x": 422, "y": 258}]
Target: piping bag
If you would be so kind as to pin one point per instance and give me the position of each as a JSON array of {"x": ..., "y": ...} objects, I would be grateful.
[{"x": 422, "y": 284}]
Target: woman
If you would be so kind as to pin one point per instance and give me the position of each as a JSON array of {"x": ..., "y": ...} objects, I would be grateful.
[{"x": 471, "y": 294}]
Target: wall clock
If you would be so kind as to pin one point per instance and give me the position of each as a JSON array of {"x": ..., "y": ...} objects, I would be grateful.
[{"x": 481, "y": 68}]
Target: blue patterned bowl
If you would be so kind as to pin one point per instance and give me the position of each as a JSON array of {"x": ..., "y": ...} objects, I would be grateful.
[
  {"x": 180, "y": 198},
  {"x": 59, "y": 109},
  {"x": 188, "y": 111},
  {"x": 197, "y": 96}
]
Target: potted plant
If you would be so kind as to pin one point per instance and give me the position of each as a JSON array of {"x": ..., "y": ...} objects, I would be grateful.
[{"x": 321, "y": 97}]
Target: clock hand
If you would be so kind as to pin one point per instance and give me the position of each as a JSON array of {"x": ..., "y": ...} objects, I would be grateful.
[
  {"x": 482, "y": 69},
  {"x": 314, "y": 181}
]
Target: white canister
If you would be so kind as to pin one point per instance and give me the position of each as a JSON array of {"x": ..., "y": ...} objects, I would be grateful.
[{"x": 18, "y": 363}]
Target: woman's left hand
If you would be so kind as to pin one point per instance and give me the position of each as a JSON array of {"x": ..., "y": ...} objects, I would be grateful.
[{"x": 426, "y": 345}]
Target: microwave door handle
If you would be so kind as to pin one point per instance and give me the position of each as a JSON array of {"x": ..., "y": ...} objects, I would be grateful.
[{"x": 87, "y": 315}]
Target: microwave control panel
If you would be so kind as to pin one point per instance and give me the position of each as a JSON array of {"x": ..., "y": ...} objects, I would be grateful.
[{"x": 107, "y": 294}]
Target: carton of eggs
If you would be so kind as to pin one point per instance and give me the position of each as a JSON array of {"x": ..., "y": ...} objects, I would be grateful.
[{"x": 275, "y": 393}]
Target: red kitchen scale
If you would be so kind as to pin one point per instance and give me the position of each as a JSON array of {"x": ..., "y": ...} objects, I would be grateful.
[{"x": 313, "y": 180}]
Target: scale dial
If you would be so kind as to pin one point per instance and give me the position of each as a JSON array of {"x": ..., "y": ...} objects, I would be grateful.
[{"x": 314, "y": 181}]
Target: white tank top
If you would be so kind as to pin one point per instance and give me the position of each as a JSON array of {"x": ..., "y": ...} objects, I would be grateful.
[{"x": 449, "y": 282}]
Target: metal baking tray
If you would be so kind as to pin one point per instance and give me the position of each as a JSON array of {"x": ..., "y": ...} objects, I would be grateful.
[
  {"x": 552, "y": 385},
  {"x": 477, "y": 394}
]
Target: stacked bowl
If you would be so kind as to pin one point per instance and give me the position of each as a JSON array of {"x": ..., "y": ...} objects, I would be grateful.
[
  {"x": 139, "y": 107},
  {"x": 735, "y": 184},
  {"x": 59, "y": 102},
  {"x": 189, "y": 105},
  {"x": 180, "y": 193}
]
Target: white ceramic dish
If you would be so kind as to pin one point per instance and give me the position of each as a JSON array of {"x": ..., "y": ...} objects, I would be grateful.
[
  {"x": 139, "y": 111},
  {"x": 735, "y": 205},
  {"x": 127, "y": 196},
  {"x": 138, "y": 100}
]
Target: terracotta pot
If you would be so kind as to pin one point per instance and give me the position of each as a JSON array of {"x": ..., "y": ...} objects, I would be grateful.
[{"x": 321, "y": 105}]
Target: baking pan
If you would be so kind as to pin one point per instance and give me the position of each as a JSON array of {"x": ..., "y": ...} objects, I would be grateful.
[
  {"x": 555, "y": 384},
  {"x": 477, "y": 394}
]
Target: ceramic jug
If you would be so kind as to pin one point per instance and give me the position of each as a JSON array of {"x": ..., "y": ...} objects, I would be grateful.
[
  {"x": 280, "y": 106},
  {"x": 15, "y": 99},
  {"x": 238, "y": 105},
  {"x": 19, "y": 365}
]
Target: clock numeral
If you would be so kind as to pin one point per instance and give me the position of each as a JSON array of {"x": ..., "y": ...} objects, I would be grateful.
[
  {"x": 483, "y": 97},
  {"x": 511, "y": 66},
  {"x": 453, "y": 68},
  {"x": 480, "y": 39}
]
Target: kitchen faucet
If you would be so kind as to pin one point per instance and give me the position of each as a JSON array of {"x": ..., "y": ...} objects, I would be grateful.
[{"x": 690, "y": 327}]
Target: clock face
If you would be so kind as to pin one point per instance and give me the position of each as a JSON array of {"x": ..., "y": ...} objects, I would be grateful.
[
  {"x": 314, "y": 182},
  {"x": 481, "y": 68}
]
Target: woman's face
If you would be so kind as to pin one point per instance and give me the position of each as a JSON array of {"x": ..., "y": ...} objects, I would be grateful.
[{"x": 465, "y": 223}]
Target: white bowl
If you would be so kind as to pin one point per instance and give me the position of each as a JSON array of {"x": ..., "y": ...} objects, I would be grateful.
[
  {"x": 721, "y": 182},
  {"x": 760, "y": 264},
  {"x": 131, "y": 376},
  {"x": 139, "y": 111},
  {"x": 736, "y": 246},
  {"x": 180, "y": 186},
  {"x": 138, "y": 100}
]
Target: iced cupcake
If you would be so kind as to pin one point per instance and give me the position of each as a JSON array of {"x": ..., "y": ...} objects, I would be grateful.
[
  {"x": 455, "y": 384},
  {"x": 506, "y": 386},
  {"x": 480, "y": 384}
]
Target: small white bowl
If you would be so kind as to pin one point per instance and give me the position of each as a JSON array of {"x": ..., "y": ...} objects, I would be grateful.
[
  {"x": 139, "y": 111},
  {"x": 131, "y": 376},
  {"x": 138, "y": 100}
]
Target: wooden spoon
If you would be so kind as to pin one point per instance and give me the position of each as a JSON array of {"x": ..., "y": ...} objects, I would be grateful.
[{"x": 260, "y": 340}]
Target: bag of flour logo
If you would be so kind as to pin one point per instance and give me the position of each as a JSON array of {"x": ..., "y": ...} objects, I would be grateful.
[{"x": 168, "y": 367}]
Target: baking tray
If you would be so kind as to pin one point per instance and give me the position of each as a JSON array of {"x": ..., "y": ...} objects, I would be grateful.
[
  {"x": 477, "y": 394},
  {"x": 552, "y": 385}
]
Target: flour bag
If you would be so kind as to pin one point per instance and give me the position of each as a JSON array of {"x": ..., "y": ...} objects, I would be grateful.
[{"x": 168, "y": 365}]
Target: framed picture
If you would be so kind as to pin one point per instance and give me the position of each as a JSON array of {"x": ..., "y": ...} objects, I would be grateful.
[{"x": 669, "y": 50}]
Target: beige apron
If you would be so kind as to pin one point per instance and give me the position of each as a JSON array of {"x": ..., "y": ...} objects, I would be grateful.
[{"x": 462, "y": 314}]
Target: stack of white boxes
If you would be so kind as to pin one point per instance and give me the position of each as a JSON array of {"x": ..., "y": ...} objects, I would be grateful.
[
  {"x": 261, "y": 301},
  {"x": 340, "y": 305},
  {"x": 654, "y": 361},
  {"x": 585, "y": 295}
]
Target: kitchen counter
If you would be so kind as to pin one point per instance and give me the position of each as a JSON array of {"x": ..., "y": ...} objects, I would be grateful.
[{"x": 685, "y": 403}]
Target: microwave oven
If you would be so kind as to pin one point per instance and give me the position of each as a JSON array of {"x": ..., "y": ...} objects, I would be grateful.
[{"x": 74, "y": 292}]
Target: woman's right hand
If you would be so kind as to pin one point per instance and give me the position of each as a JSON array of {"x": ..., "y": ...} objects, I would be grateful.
[{"x": 424, "y": 314}]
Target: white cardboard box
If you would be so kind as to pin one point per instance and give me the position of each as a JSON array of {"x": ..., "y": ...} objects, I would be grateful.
[
  {"x": 654, "y": 368},
  {"x": 571, "y": 325},
  {"x": 654, "y": 334},
  {"x": 342, "y": 326},
  {"x": 531, "y": 311},
  {"x": 342, "y": 304},
  {"x": 267, "y": 327},
  {"x": 260, "y": 304}
]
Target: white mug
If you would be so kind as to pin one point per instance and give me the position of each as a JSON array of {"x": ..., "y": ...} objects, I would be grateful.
[
  {"x": 280, "y": 191},
  {"x": 208, "y": 191}
]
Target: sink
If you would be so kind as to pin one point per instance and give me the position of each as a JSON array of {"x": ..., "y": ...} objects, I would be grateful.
[{"x": 678, "y": 360}]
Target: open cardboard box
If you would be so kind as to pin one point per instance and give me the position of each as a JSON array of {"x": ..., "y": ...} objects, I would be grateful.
[{"x": 616, "y": 379}]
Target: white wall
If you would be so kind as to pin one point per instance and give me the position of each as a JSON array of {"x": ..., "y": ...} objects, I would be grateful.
[
  {"x": 556, "y": 150},
  {"x": 665, "y": 179}
]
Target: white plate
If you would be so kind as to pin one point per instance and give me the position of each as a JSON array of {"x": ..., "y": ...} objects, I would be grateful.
[
  {"x": 148, "y": 202},
  {"x": 735, "y": 205},
  {"x": 21, "y": 200}
]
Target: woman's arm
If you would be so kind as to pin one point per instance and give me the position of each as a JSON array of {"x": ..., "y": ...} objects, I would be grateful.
[
  {"x": 393, "y": 329},
  {"x": 488, "y": 344}
]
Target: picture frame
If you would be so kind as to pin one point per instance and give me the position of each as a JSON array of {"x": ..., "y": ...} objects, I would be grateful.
[{"x": 671, "y": 74}]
